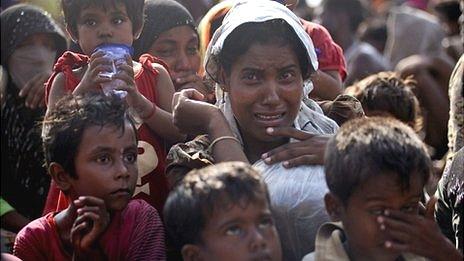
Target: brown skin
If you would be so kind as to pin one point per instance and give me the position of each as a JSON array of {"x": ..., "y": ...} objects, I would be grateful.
[
  {"x": 417, "y": 234},
  {"x": 13, "y": 221},
  {"x": 432, "y": 76}
]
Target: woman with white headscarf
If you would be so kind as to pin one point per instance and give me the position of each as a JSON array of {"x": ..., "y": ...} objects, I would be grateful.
[{"x": 262, "y": 60}]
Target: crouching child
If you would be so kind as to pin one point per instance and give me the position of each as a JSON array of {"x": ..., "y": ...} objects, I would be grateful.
[{"x": 90, "y": 146}]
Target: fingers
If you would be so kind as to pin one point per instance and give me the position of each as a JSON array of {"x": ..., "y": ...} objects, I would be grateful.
[
  {"x": 289, "y": 132},
  {"x": 34, "y": 91},
  {"x": 430, "y": 208},
  {"x": 291, "y": 155},
  {"x": 89, "y": 201},
  {"x": 192, "y": 78}
]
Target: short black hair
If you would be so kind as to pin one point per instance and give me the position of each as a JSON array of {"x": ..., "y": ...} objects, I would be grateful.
[
  {"x": 449, "y": 9},
  {"x": 368, "y": 147},
  {"x": 72, "y": 9},
  {"x": 63, "y": 127},
  {"x": 203, "y": 191},
  {"x": 272, "y": 31},
  {"x": 388, "y": 92}
]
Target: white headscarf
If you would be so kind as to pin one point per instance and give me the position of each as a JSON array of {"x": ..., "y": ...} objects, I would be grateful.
[
  {"x": 310, "y": 118},
  {"x": 296, "y": 194}
]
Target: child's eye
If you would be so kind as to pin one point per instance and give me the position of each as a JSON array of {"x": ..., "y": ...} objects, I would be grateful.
[
  {"x": 90, "y": 22},
  {"x": 410, "y": 209},
  {"x": 234, "y": 231},
  {"x": 118, "y": 20},
  {"x": 103, "y": 159},
  {"x": 130, "y": 157},
  {"x": 266, "y": 222},
  {"x": 377, "y": 212}
]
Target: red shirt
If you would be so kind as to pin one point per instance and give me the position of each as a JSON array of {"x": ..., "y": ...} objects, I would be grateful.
[
  {"x": 329, "y": 54},
  {"x": 136, "y": 233},
  {"x": 151, "y": 184}
]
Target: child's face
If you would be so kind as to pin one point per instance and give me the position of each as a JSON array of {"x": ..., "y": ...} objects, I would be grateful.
[
  {"x": 238, "y": 233},
  {"x": 106, "y": 165},
  {"x": 371, "y": 199},
  {"x": 96, "y": 26}
]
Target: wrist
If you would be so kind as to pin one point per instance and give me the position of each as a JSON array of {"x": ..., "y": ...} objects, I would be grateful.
[
  {"x": 148, "y": 112},
  {"x": 218, "y": 126}
]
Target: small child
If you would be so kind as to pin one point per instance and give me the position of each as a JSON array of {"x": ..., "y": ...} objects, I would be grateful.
[
  {"x": 91, "y": 23},
  {"x": 386, "y": 94},
  {"x": 376, "y": 169},
  {"x": 221, "y": 212},
  {"x": 90, "y": 147}
]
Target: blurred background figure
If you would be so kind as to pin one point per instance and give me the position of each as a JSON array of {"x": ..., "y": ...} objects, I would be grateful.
[{"x": 30, "y": 43}]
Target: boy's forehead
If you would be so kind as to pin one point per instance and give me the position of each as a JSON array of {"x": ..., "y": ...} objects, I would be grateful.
[{"x": 387, "y": 186}]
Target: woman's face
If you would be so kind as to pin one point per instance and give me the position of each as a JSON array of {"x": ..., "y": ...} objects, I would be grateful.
[
  {"x": 265, "y": 89},
  {"x": 178, "y": 48}
]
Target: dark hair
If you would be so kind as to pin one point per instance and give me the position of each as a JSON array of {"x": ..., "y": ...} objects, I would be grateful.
[
  {"x": 72, "y": 9},
  {"x": 273, "y": 31},
  {"x": 63, "y": 127},
  {"x": 204, "y": 191},
  {"x": 161, "y": 16},
  {"x": 449, "y": 9},
  {"x": 355, "y": 9},
  {"x": 387, "y": 92},
  {"x": 368, "y": 147}
]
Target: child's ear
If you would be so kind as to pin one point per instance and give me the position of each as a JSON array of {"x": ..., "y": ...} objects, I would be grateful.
[
  {"x": 334, "y": 206},
  {"x": 71, "y": 34},
  {"x": 60, "y": 176},
  {"x": 190, "y": 252}
]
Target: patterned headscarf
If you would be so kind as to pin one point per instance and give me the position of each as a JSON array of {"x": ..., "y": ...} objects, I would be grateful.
[{"x": 21, "y": 21}]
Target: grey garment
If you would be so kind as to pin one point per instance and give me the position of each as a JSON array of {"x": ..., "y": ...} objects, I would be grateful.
[
  {"x": 449, "y": 211},
  {"x": 413, "y": 31},
  {"x": 456, "y": 119}
]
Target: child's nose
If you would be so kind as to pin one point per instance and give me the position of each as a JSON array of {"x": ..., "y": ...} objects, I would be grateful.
[
  {"x": 258, "y": 241},
  {"x": 105, "y": 31},
  {"x": 122, "y": 171}
]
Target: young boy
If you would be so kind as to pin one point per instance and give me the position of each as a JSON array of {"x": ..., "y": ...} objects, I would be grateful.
[
  {"x": 376, "y": 169},
  {"x": 90, "y": 147},
  {"x": 221, "y": 212},
  {"x": 91, "y": 23}
]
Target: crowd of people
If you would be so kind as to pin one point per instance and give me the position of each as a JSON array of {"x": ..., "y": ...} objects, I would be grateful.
[{"x": 233, "y": 130}]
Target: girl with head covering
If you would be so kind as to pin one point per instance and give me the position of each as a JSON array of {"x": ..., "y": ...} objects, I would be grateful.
[
  {"x": 262, "y": 59},
  {"x": 31, "y": 42},
  {"x": 170, "y": 34}
]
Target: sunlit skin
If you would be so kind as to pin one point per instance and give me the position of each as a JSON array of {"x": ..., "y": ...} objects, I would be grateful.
[
  {"x": 240, "y": 232},
  {"x": 265, "y": 91},
  {"x": 106, "y": 165},
  {"x": 366, "y": 240},
  {"x": 178, "y": 48},
  {"x": 96, "y": 26}
]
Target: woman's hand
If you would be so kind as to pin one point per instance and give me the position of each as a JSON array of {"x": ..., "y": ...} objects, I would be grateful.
[
  {"x": 34, "y": 91},
  {"x": 192, "y": 114},
  {"x": 92, "y": 77},
  {"x": 91, "y": 222},
  {"x": 194, "y": 81},
  {"x": 309, "y": 150}
]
